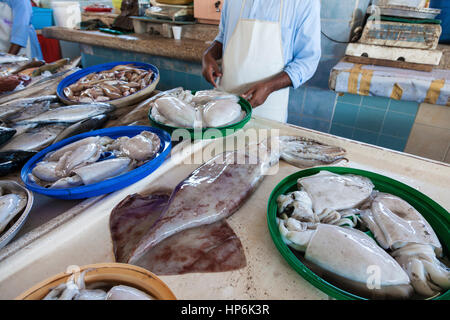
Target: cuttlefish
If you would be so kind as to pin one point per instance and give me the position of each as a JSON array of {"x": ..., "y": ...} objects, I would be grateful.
[{"x": 185, "y": 230}]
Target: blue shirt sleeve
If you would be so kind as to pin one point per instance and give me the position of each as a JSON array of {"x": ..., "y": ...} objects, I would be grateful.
[
  {"x": 307, "y": 47},
  {"x": 223, "y": 19},
  {"x": 21, "y": 10}
]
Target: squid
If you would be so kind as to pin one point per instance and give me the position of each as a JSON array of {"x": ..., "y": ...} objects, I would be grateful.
[{"x": 399, "y": 227}]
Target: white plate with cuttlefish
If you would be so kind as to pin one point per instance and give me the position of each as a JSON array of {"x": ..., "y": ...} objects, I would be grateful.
[
  {"x": 97, "y": 162},
  {"x": 15, "y": 205}
]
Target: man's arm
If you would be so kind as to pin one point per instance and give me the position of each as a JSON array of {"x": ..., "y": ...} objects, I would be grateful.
[
  {"x": 210, "y": 67},
  {"x": 14, "y": 49},
  {"x": 21, "y": 11},
  {"x": 307, "y": 47}
]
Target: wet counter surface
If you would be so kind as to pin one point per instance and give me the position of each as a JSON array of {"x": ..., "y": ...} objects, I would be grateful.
[
  {"x": 184, "y": 49},
  {"x": 85, "y": 237}
]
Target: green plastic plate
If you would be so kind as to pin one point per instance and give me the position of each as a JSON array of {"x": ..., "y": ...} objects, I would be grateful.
[
  {"x": 437, "y": 216},
  {"x": 198, "y": 134}
]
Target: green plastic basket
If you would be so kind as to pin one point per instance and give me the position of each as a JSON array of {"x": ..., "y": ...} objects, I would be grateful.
[
  {"x": 437, "y": 216},
  {"x": 197, "y": 134}
]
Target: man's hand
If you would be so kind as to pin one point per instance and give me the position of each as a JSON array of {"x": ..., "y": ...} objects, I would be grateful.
[
  {"x": 259, "y": 92},
  {"x": 210, "y": 69},
  {"x": 14, "y": 49}
]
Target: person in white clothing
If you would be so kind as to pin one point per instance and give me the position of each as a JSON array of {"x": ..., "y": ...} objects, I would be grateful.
[
  {"x": 17, "y": 35},
  {"x": 266, "y": 46}
]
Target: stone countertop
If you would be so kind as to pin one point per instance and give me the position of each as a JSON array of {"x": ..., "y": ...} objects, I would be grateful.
[
  {"x": 84, "y": 238},
  {"x": 184, "y": 49}
]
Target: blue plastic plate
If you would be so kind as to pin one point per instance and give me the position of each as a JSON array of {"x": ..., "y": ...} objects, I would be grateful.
[
  {"x": 108, "y": 185},
  {"x": 71, "y": 79}
]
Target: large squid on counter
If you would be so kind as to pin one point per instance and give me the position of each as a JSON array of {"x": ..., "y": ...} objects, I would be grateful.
[{"x": 186, "y": 231}]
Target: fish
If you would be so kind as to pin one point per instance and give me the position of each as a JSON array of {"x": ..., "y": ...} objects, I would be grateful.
[
  {"x": 82, "y": 126},
  {"x": 43, "y": 86},
  {"x": 34, "y": 139},
  {"x": 6, "y": 134},
  {"x": 28, "y": 112},
  {"x": 11, "y": 58},
  {"x": 207, "y": 248},
  {"x": 14, "y": 108},
  {"x": 70, "y": 114},
  {"x": 10, "y": 205},
  {"x": 51, "y": 67},
  {"x": 13, "y": 200},
  {"x": 10, "y": 161},
  {"x": 34, "y": 63}
]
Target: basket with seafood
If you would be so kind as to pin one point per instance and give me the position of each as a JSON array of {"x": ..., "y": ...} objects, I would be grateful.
[
  {"x": 97, "y": 162},
  {"x": 102, "y": 281},
  {"x": 15, "y": 205},
  {"x": 205, "y": 114},
  {"x": 119, "y": 83},
  {"x": 355, "y": 234}
]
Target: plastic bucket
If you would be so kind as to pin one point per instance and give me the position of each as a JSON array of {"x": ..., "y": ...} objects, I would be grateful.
[
  {"x": 66, "y": 13},
  {"x": 444, "y": 5},
  {"x": 42, "y": 18}
]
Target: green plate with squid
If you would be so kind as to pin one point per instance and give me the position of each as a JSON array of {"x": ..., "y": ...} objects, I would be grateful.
[
  {"x": 436, "y": 215},
  {"x": 208, "y": 133}
]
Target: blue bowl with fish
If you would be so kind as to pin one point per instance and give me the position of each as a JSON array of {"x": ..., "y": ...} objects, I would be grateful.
[
  {"x": 110, "y": 184},
  {"x": 128, "y": 100}
]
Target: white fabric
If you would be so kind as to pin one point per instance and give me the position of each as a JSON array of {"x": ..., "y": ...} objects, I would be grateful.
[
  {"x": 6, "y": 19},
  {"x": 254, "y": 53}
]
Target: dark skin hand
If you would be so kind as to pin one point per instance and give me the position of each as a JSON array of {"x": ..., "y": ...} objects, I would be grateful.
[
  {"x": 259, "y": 92},
  {"x": 14, "y": 49},
  {"x": 210, "y": 68}
]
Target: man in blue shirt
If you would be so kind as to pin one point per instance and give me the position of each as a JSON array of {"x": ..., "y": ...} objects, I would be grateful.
[
  {"x": 266, "y": 46},
  {"x": 17, "y": 35}
]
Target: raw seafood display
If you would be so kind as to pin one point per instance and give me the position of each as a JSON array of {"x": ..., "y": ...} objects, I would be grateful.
[
  {"x": 11, "y": 161},
  {"x": 171, "y": 232},
  {"x": 401, "y": 229},
  {"x": 44, "y": 81},
  {"x": 76, "y": 289},
  {"x": 205, "y": 109},
  {"x": 15, "y": 202},
  {"x": 11, "y": 82},
  {"x": 20, "y": 67},
  {"x": 325, "y": 220},
  {"x": 118, "y": 82},
  {"x": 207, "y": 248},
  {"x": 94, "y": 159},
  {"x": 31, "y": 124},
  {"x": 13, "y": 199}
]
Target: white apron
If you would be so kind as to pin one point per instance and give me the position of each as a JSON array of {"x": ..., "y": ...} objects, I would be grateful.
[
  {"x": 6, "y": 21},
  {"x": 255, "y": 53}
]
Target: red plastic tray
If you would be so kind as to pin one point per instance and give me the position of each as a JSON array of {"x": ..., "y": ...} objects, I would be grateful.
[{"x": 92, "y": 9}]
